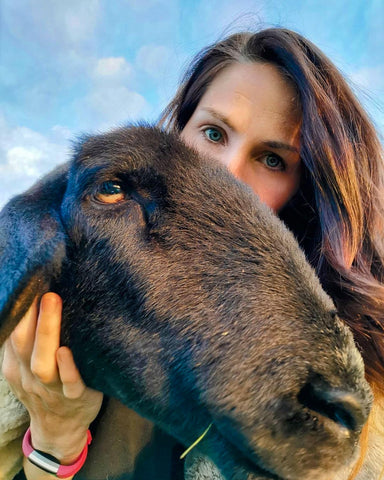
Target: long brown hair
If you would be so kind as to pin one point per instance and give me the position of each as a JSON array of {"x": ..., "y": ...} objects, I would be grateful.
[{"x": 338, "y": 213}]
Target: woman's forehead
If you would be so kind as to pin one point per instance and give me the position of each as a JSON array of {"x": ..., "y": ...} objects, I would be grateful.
[
  {"x": 256, "y": 82},
  {"x": 252, "y": 95}
]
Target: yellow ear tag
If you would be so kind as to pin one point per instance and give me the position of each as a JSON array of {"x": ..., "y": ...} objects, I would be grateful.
[{"x": 195, "y": 443}]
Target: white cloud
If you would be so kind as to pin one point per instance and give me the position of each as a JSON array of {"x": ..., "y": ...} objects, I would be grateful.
[
  {"x": 56, "y": 26},
  {"x": 26, "y": 155},
  {"x": 23, "y": 160},
  {"x": 61, "y": 134},
  {"x": 47, "y": 54},
  {"x": 112, "y": 98},
  {"x": 158, "y": 64},
  {"x": 107, "y": 106},
  {"x": 155, "y": 60},
  {"x": 112, "y": 69}
]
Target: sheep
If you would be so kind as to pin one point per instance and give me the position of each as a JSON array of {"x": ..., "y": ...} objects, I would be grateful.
[{"x": 187, "y": 300}]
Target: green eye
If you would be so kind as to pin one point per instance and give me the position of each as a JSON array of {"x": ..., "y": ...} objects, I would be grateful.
[
  {"x": 213, "y": 134},
  {"x": 274, "y": 162},
  {"x": 110, "y": 192}
]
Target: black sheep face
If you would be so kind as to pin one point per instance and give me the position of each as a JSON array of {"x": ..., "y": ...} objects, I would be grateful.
[{"x": 189, "y": 301}]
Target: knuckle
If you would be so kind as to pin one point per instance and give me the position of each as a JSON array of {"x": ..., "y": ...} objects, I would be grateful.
[
  {"x": 73, "y": 392},
  {"x": 9, "y": 366},
  {"x": 27, "y": 385},
  {"x": 41, "y": 372},
  {"x": 17, "y": 339},
  {"x": 9, "y": 372}
]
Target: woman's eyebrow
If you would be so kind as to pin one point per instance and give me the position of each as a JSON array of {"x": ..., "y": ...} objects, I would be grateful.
[
  {"x": 281, "y": 146},
  {"x": 220, "y": 117},
  {"x": 268, "y": 143}
]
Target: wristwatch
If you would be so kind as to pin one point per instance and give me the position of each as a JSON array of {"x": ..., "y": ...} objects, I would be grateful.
[{"x": 50, "y": 464}]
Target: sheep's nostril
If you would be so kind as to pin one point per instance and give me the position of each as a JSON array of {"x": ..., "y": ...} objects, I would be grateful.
[{"x": 344, "y": 408}]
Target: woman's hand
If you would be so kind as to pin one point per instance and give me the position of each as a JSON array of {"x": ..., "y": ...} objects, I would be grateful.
[{"x": 44, "y": 377}]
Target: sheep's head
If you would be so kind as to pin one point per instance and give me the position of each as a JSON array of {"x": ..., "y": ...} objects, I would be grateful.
[{"x": 189, "y": 301}]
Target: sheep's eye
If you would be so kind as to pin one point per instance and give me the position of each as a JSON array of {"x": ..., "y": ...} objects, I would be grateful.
[{"x": 110, "y": 192}]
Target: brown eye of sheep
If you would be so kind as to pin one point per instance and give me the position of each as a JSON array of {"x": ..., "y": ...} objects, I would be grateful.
[{"x": 110, "y": 192}]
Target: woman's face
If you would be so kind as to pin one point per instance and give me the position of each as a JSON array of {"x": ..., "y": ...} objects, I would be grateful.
[{"x": 249, "y": 120}]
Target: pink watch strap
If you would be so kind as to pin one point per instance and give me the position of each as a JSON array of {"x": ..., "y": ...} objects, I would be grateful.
[{"x": 50, "y": 464}]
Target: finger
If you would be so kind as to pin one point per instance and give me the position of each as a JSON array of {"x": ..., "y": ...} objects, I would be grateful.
[
  {"x": 47, "y": 339},
  {"x": 73, "y": 385},
  {"x": 23, "y": 336}
]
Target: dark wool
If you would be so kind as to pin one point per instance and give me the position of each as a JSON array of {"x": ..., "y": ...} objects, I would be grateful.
[{"x": 189, "y": 302}]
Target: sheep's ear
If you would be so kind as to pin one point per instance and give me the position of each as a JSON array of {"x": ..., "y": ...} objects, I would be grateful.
[{"x": 32, "y": 246}]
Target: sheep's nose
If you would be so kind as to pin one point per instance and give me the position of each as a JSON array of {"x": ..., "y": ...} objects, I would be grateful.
[{"x": 347, "y": 409}]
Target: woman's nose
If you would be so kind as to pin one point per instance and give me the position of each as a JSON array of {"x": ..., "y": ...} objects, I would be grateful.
[{"x": 236, "y": 163}]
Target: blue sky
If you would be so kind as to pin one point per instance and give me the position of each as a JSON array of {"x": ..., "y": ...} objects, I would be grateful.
[{"x": 74, "y": 66}]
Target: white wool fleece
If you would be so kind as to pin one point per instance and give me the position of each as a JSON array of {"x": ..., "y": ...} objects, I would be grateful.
[{"x": 14, "y": 422}]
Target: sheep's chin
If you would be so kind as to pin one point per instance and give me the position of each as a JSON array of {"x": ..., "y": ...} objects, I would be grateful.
[
  {"x": 257, "y": 471},
  {"x": 252, "y": 470}
]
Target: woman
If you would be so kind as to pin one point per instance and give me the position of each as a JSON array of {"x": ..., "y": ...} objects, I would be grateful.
[{"x": 276, "y": 111}]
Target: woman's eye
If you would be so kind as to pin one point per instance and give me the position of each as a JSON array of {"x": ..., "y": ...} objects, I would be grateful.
[
  {"x": 274, "y": 162},
  {"x": 213, "y": 134},
  {"x": 110, "y": 192}
]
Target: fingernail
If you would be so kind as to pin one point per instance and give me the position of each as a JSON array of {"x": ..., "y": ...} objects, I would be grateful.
[{"x": 49, "y": 301}]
